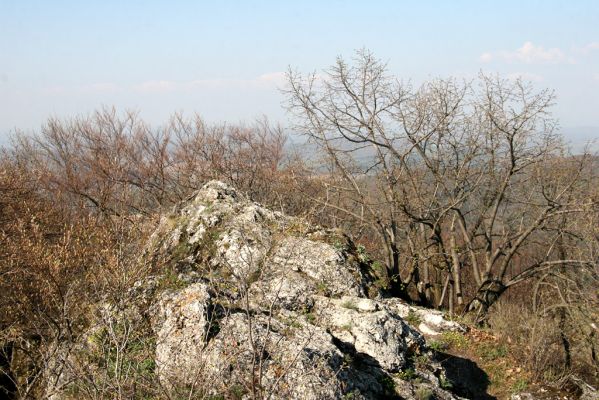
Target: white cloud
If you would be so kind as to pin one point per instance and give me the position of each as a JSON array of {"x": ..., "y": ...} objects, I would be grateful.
[
  {"x": 156, "y": 86},
  {"x": 592, "y": 46},
  {"x": 486, "y": 57},
  {"x": 271, "y": 79},
  {"x": 101, "y": 87},
  {"x": 588, "y": 48},
  {"x": 264, "y": 80},
  {"x": 529, "y": 54},
  {"x": 526, "y": 76}
]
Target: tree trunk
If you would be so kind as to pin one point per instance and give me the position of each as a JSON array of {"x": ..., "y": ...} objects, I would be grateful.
[
  {"x": 486, "y": 295},
  {"x": 456, "y": 265}
]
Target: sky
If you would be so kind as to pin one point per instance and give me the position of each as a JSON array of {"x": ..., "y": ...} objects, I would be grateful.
[{"x": 225, "y": 60}]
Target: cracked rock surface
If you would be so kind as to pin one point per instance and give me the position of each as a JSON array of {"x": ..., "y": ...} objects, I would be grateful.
[{"x": 279, "y": 309}]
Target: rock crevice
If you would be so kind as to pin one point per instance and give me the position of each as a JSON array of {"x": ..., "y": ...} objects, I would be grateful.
[{"x": 263, "y": 303}]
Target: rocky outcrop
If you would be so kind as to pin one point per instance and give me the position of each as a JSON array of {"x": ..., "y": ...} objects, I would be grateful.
[
  {"x": 251, "y": 303},
  {"x": 180, "y": 321}
]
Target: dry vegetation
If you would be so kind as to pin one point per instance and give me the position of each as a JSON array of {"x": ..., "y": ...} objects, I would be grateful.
[{"x": 462, "y": 192}]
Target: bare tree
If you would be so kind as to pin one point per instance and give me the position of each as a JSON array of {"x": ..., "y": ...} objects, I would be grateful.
[{"x": 451, "y": 176}]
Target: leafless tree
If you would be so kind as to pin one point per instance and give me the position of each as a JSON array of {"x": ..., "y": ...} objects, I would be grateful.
[{"x": 451, "y": 176}]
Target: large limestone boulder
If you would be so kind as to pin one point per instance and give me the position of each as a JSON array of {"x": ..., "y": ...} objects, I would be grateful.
[
  {"x": 282, "y": 304},
  {"x": 251, "y": 303}
]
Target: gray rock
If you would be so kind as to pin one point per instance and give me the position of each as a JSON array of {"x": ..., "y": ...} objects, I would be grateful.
[
  {"x": 181, "y": 322},
  {"x": 298, "y": 322},
  {"x": 259, "y": 304},
  {"x": 372, "y": 329},
  {"x": 320, "y": 262},
  {"x": 431, "y": 322}
]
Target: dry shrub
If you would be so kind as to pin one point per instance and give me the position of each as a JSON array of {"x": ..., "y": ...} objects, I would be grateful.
[
  {"x": 120, "y": 166},
  {"x": 56, "y": 261},
  {"x": 76, "y": 204},
  {"x": 540, "y": 342}
]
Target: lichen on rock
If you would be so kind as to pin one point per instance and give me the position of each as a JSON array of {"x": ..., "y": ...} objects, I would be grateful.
[{"x": 269, "y": 307}]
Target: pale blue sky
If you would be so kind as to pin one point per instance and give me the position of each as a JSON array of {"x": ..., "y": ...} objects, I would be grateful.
[{"x": 225, "y": 59}]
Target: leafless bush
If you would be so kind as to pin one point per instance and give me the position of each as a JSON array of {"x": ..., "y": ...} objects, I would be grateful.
[
  {"x": 120, "y": 166},
  {"x": 535, "y": 340}
]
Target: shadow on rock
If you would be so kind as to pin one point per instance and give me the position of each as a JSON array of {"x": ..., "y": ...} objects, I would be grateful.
[
  {"x": 467, "y": 378},
  {"x": 367, "y": 371}
]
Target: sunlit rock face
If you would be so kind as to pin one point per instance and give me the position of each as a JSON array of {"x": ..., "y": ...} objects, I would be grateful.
[{"x": 256, "y": 304}]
